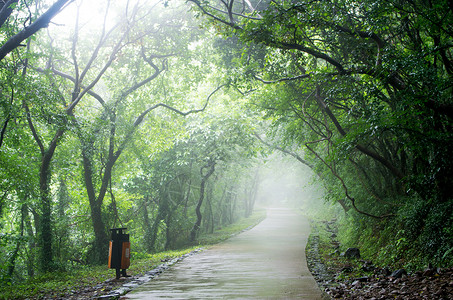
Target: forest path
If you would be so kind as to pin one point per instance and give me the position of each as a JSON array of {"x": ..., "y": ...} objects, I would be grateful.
[{"x": 266, "y": 262}]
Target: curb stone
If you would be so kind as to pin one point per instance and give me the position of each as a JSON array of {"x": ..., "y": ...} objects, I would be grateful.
[{"x": 149, "y": 275}]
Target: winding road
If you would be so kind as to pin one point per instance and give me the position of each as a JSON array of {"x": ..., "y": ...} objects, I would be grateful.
[{"x": 266, "y": 262}]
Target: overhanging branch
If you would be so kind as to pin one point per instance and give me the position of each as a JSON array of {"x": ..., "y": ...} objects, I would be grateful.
[
  {"x": 41, "y": 22},
  {"x": 282, "y": 79},
  {"x": 376, "y": 156},
  {"x": 345, "y": 188},
  {"x": 142, "y": 116}
]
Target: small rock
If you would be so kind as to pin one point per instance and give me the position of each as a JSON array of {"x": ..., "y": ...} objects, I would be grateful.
[
  {"x": 385, "y": 272},
  {"x": 363, "y": 279},
  {"x": 399, "y": 273},
  {"x": 357, "y": 284},
  {"x": 347, "y": 269},
  {"x": 336, "y": 252},
  {"x": 428, "y": 273},
  {"x": 368, "y": 268},
  {"x": 352, "y": 253}
]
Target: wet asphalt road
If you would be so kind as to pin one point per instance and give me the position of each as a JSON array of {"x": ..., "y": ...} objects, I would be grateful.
[{"x": 266, "y": 262}]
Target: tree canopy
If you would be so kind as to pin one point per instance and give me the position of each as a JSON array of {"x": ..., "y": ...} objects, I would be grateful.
[
  {"x": 364, "y": 90},
  {"x": 161, "y": 116}
]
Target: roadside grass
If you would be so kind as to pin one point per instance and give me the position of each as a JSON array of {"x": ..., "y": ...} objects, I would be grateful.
[
  {"x": 320, "y": 243},
  {"x": 59, "y": 284},
  {"x": 335, "y": 266}
]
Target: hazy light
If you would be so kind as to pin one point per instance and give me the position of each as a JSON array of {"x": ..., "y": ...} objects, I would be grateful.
[
  {"x": 92, "y": 12},
  {"x": 287, "y": 183}
]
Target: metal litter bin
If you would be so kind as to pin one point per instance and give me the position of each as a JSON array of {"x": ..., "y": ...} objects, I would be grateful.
[{"x": 119, "y": 251}]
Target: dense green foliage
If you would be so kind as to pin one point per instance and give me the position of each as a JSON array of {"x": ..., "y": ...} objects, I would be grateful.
[
  {"x": 152, "y": 119},
  {"x": 116, "y": 122},
  {"x": 363, "y": 89}
]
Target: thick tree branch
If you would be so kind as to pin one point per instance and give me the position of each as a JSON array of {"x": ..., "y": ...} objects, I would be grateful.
[
  {"x": 72, "y": 79},
  {"x": 142, "y": 116},
  {"x": 41, "y": 22},
  {"x": 109, "y": 62},
  {"x": 310, "y": 51},
  {"x": 367, "y": 35},
  {"x": 8, "y": 118},
  {"x": 2, "y": 132},
  {"x": 102, "y": 39},
  {"x": 376, "y": 156},
  {"x": 234, "y": 13},
  {"x": 345, "y": 188},
  {"x": 282, "y": 79},
  {"x": 75, "y": 39},
  {"x": 300, "y": 159},
  {"x": 32, "y": 128},
  {"x": 6, "y": 10},
  {"x": 156, "y": 73},
  {"x": 200, "y": 6}
]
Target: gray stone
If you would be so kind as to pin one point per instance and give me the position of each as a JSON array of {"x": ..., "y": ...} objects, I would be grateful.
[
  {"x": 398, "y": 273},
  {"x": 352, "y": 253}
]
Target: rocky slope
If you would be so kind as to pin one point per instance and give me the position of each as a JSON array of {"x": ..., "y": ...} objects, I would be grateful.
[{"x": 342, "y": 278}]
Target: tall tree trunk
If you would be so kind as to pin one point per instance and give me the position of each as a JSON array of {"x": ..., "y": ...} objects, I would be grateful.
[
  {"x": 13, "y": 257},
  {"x": 196, "y": 226},
  {"x": 211, "y": 212},
  {"x": 252, "y": 194},
  {"x": 147, "y": 226},
  {"x": 31, "y": 253},
  {"x": 162, "y": 212},
  {"x": 233, "y": 208},
  {"x": 168, "y": 236},
  {"x": 45, "y": 229},
  {"x": 100, "y": 234},
  {"x": 45, "y": 210}
]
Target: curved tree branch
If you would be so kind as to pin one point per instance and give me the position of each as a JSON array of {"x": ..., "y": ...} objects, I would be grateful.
[
  {"x": 376, "y": 156},
  {"x": 72, "y": 79},
  {"x": 345, "y": 188},
  {"x": 282, "y": 79},
  {"x": 205, "y": 177},
  {"x": 300, "y": 159},
  {"x": 41, "y": 22},
  {"x": 200, "y": 6},
  {"x": 6, "y": 10}
]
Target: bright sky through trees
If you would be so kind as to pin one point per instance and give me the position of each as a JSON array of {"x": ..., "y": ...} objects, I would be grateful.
[{"x": 92, "y": 13}]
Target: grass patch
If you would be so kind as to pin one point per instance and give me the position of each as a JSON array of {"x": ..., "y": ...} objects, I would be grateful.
[{"x": 61, "y": 284}]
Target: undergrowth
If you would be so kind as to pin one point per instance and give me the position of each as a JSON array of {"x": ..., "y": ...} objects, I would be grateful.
[
  {"x": 59, "y": 283},
  {"x": 383, "y": 246},
  {"x": 388, "y": 244}
]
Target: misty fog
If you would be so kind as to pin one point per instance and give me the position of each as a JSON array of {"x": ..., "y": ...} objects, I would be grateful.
[{"x": 285, "y": 182}]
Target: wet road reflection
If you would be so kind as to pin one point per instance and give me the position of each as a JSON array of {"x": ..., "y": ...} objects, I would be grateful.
[{"x": 266, "y": 262}]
